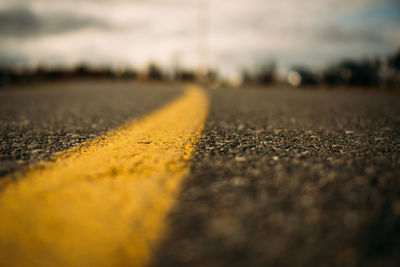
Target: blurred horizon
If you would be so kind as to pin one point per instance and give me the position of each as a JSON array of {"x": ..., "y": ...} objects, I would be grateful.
[{"x": 236, "y": 35}]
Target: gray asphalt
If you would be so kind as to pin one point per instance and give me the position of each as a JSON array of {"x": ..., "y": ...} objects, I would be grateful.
[
  {"x": 37, "y": 121},
  {"x": 291, "y": 178},
  {"x": 281, "y": 177}
]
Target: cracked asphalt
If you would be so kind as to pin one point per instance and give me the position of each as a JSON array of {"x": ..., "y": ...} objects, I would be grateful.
[{"x": 281, "y": 177}]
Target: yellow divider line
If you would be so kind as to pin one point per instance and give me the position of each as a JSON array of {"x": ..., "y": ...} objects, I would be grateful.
[{"x": 103, "y": 203}]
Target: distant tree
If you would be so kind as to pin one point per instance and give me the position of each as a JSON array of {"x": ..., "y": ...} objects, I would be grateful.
[
  {"x": 81, "y": 70},
  {"x": 130, "y": 74},
  {"x": 301, "y": 75},
  {"x": 154, "y": 72},
  {"x": 331, "y": 76},
  {"x": 187, "y": 75},
  {"x": 394, "y": 60},
  {"x": 361, "y": 74},
  {"x": 266, "y": 73}
]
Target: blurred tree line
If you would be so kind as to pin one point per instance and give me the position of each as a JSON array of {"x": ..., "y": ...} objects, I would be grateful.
[
  {"x": 153, "y": 72},
  {"x": 380, "y": 72}
]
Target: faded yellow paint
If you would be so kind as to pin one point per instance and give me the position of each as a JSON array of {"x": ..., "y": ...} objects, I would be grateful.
[{"x": 102, "y": 203}]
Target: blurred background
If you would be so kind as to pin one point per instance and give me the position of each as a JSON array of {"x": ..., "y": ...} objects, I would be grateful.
[{"x": 309, "y": 42}]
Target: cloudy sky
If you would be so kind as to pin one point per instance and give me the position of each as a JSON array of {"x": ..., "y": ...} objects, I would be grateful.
[{"x": 242, "y": 33}]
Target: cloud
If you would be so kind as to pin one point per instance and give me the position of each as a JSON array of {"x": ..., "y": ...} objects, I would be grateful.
[
  {"x": 340, "y": 35},
  {"x": 240, "y": 31},
  {"x": 23, "y": 22}
]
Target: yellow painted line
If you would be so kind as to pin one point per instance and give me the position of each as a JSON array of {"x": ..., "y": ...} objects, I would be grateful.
[{"x": 103, "y": 203}]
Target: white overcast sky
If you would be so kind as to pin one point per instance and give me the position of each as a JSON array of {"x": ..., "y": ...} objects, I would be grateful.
[{"x": 242, "y": 33}]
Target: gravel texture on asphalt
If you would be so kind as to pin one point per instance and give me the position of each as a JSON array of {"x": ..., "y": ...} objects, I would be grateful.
[
  {"x": 280, "y": 177},
  {"x": 291, "y": 178},
  {"x": 39, "y": 121}
]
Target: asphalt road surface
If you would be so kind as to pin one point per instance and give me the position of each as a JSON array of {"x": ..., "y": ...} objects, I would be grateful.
[
  {"x": 280, "y": 177},
  {"x": 39, "y": 121}
]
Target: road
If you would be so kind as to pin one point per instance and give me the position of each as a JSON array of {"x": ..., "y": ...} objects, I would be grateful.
[
  {"x": 292, "y": 178},
  {"x": 280, "y": 177},
  {"x": 37, "y": 122}
]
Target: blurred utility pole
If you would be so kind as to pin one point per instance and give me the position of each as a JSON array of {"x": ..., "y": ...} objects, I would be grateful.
[{"x": 203, "y": 32}]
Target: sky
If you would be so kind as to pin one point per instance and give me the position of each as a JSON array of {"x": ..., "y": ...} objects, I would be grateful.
[{"x": 240, "y": 33}]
